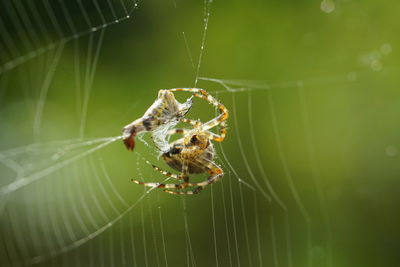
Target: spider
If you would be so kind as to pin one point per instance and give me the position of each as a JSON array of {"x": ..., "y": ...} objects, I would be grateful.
[
  {"x": 194, "y": 152},
  {"x": 165, "y": 109}
]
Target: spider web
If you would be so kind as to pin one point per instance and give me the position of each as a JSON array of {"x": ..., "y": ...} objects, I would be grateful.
[{"x": 65, "y": 191}]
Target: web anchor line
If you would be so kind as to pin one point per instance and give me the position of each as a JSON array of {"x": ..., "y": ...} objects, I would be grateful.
[{"x": 26, "y": 180}]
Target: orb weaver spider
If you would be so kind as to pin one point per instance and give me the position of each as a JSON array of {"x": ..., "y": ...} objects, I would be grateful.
[{"x": 194, "y": 152}]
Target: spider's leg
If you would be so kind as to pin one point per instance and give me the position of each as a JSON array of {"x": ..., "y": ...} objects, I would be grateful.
[
  {"x": 201, "y": 93},
  {"x": 217, "y": 120},
  {"x": 194, "y": 123},
  {"x": 183, "y": 176},
  {"x": 177, "y": 131},
  {"x": 224, "y": 114},
  {"x": 192, "y": 90},
  {"x": 199, "y": 186},
  {"x": 191, "y": 192},
  {"x": 168, "y": 174},
  {"x": 160, "y": 185},
  {"x": 216, "y": 175},
  {"x": 218, "y": 138}
]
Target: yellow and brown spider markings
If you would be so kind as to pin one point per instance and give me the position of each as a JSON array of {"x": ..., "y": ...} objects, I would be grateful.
[
  {"x": 195, "y": 154},
  {"x": 192, "y": 154},
  {"x": 164, "y": 110}
]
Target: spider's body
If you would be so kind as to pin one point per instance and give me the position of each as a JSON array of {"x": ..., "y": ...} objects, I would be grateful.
[{"x": 194, "y": 152}]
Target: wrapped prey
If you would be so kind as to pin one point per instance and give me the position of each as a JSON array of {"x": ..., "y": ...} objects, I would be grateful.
[{"x": 164, "y": 110}]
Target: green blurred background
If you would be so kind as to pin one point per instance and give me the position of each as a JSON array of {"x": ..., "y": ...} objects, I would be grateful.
[{"x": 318, "y": 112}]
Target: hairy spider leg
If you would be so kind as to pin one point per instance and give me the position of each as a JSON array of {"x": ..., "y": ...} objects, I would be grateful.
[
  {"x": 199, "y": 186},
  {"x": 219, "y": 138},
  {"x": 167, "y": 173},
  {"x": 216, "y": 174},
  {"x": 160, "y": 185},
  {"x": 220, "y": 119},
  {"x": 163, "y": 172},
  {"x": 183, "y": 176},
  {"x": 197, "y": 124},
  {"x": 177, "y": 131},
  {"x": 194, "y": 123}
]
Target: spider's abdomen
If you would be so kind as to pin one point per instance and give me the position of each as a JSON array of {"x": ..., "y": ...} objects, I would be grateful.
[{"x": 196, "y": 164}]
